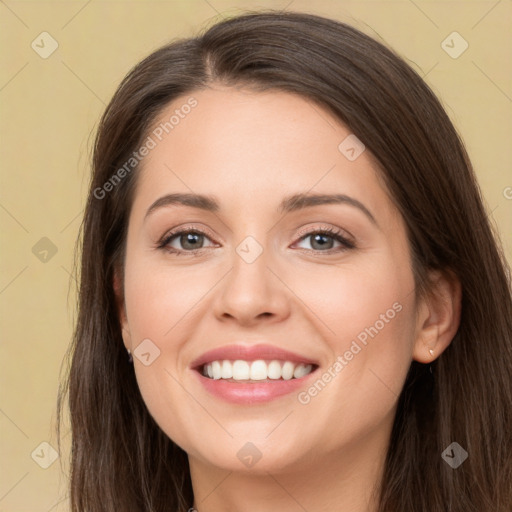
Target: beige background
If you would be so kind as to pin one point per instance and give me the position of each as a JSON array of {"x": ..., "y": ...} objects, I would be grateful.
[{"x": 49, "y": 107}]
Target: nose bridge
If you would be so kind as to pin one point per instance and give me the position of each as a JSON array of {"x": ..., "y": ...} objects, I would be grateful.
[
  {"x": 250, "y": 259},
  {"x": 250, "y": 249},
  {"x": 251, "y": 289}
]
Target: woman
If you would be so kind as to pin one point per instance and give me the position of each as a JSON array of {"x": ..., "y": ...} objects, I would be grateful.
[{"x": 291, "y": 296}]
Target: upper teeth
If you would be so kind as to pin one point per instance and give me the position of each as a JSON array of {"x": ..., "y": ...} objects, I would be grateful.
[{"x": 255, "y": 370}]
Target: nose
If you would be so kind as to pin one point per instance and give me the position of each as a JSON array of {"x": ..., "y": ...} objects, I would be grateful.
[{"x": 252, "y": 292}]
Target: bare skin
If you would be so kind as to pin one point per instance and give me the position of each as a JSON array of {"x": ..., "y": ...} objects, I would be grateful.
[{"x": 251, "y": 150}]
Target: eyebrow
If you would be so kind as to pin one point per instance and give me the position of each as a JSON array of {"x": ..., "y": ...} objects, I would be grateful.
[{"x": 289, "y": 204}]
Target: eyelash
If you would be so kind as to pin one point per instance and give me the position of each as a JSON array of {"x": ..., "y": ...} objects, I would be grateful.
[{"x": 330, "y": 232}]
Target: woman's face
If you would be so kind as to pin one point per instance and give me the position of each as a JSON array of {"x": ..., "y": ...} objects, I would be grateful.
[{"x": 257, "y": 270}]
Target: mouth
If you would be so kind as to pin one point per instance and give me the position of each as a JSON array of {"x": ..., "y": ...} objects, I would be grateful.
[
  {"x": 251, "y": 374},
  {"x": 257, "y": 371}
]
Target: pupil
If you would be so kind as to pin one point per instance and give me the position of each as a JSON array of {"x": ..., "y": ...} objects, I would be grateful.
[
  {"x": 318, "y": 239},
  {"x": 191, "y": 238}
]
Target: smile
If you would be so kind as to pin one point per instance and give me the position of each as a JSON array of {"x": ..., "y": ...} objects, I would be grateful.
[
  {"x": 255, "y": 371},
  {"x": 249, "y": 374}
]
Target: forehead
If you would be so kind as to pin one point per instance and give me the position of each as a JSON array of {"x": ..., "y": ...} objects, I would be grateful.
[{"x": 253, "y": 148}]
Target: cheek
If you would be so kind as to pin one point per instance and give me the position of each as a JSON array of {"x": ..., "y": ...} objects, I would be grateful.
[
  {"x": 159, "y": 297},
  {"x": 160, "y": 307},
  {"x": 366, "y": 300},
  {"x": 367, "y": 321},
  {"x": 165, "y": 304}
]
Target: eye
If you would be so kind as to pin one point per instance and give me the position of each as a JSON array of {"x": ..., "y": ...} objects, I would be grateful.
[
  {"x": 190, "y": 241},
  {"x": 320, "y": 240}
]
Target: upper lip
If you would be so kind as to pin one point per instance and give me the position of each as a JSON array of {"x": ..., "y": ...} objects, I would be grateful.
[{"x": 249, "y": 353}]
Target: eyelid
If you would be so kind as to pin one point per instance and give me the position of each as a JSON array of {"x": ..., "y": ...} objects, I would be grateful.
[{"x": 327, "y": 228}]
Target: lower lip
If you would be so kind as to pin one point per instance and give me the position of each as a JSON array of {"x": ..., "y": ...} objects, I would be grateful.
[{"x": 251, "y": 393}]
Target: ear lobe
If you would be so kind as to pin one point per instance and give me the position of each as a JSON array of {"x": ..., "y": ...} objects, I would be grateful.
[{"x": 439, "y": 317}]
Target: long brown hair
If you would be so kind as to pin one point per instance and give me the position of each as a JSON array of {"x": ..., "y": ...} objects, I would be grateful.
[{"x": 121, "y": 459}]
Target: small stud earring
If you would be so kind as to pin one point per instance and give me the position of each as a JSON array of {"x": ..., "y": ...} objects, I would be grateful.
[
  {"x": 431, "y": 351},
  {"x": 130, "y": 358}
]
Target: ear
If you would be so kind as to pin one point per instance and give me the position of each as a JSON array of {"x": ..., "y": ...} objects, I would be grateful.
[
  {"x": 121, "y": 308},
  {"x": 438, "y": 316}
]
